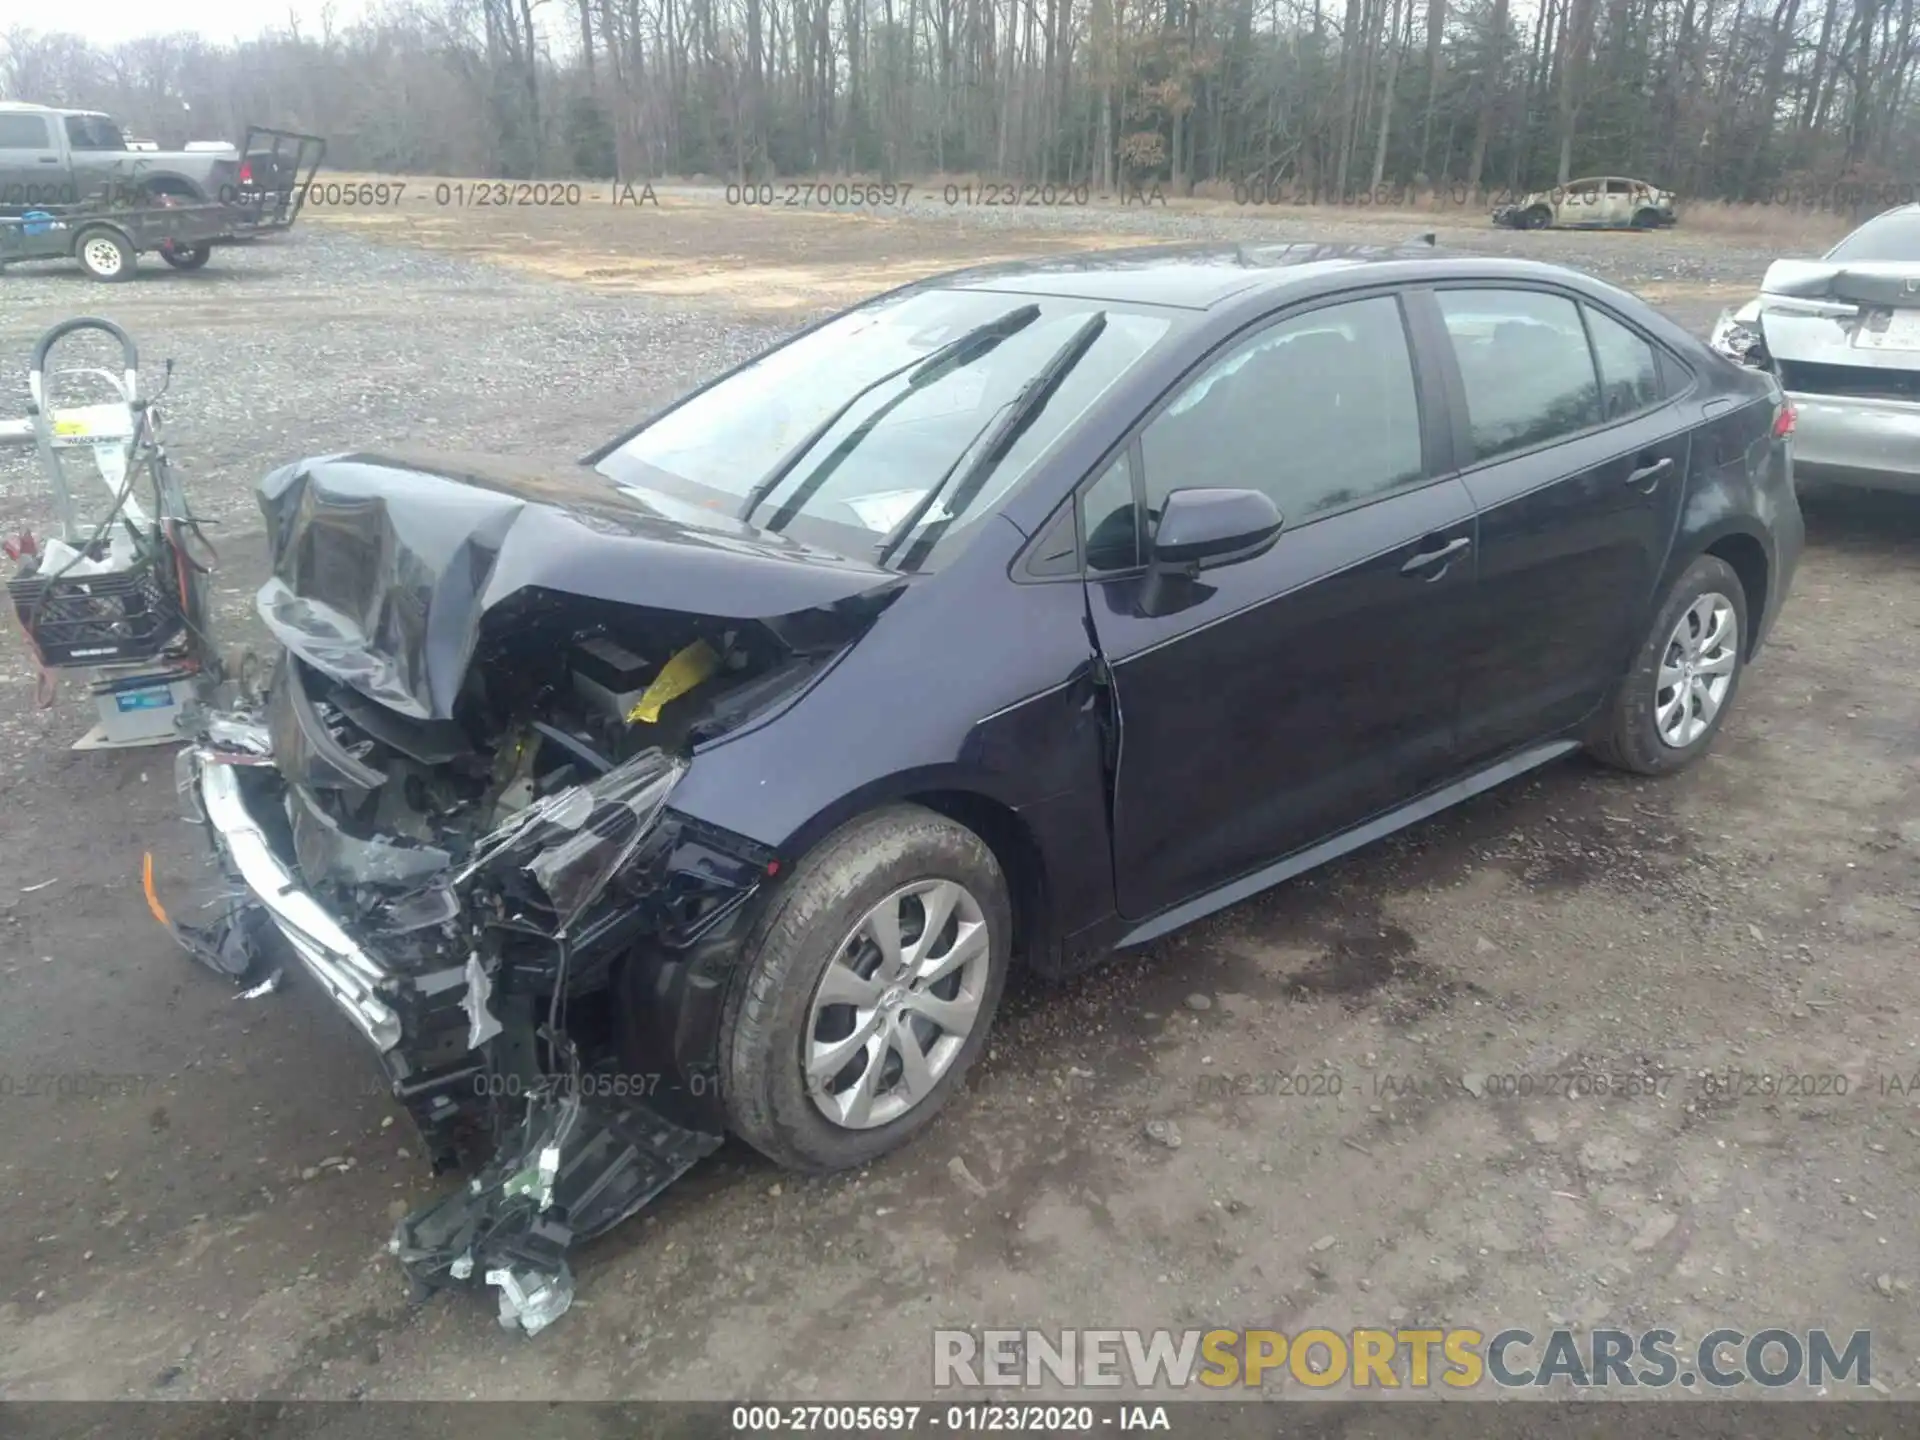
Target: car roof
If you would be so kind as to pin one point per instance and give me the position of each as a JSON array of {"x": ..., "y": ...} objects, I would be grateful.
[
  {"x": 1202, "y": 276},
  {"x": 17, "y": 106},
  {"x": 1184, "y": 276}
]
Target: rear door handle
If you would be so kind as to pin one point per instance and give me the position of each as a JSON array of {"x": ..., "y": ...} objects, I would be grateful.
[
  {"x": 1651, "y": 475},
  {"x": 1428, "y": 559}
]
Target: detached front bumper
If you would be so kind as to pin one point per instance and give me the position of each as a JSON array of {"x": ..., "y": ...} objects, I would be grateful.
[
  {"x": 1509, "y": 217},
  {"x": 352, "y": 977}
]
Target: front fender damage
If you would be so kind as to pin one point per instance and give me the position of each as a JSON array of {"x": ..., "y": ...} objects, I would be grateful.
[{"x": 499, "y": 990}]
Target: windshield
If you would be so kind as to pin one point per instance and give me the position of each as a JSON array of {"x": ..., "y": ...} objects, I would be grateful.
[
  {"x": 867, "y": 471},
  {"x": 1886, "y": 237}
]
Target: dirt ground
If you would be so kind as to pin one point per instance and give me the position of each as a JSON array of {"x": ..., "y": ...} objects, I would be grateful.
[{"x": 195, "y": 1190}]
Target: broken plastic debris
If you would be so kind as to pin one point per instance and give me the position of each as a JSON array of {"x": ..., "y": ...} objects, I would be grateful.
[
  {"x": 532, "y": 1301},
  {"x": 238, "y": 737},
  {"x": 481, "y": 1024},
  {"x": 230, "y": 946},
  {"x": 265, "y": 987},
  {"x": 600, "y": 1164},
  {"x": 29, "y": 889},
  {"x": 679, "y": 675}
]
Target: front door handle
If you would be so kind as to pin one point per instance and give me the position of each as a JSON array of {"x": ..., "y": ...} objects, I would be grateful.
[
  {"x": 1428, "y": 559},
  {"x": 1648, "y": 476}
]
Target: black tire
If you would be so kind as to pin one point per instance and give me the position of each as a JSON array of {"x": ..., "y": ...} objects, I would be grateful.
[
  {"x": 764, "y": 1030},
  {"x": 1626, "y": 733},
  {"x": 1538, "y": 218},
  {"x": 186, "y": 257},
  {"x": 1646, "y": 219},
  {"x": 91, "y": 247}
]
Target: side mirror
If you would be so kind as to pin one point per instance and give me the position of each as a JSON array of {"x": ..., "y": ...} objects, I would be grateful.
[{"x": 1203, "y": 530}]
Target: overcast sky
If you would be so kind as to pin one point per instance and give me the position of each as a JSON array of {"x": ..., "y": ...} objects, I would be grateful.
[{"x": 106, "y": 22}]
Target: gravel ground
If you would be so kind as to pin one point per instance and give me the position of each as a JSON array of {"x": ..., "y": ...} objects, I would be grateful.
[{"x": 215, "y": 1230}]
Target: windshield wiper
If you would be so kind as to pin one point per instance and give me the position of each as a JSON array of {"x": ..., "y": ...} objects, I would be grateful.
[
  {"x": 994, "y": 440},
  {"x": 962, "y": 350}
]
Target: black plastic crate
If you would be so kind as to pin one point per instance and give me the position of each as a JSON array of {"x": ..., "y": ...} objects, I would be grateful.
[{"x": 98, "y": 619}]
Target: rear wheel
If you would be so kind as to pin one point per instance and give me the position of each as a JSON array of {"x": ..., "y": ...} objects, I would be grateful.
[
  {"x": 186, "y": 257},
  {"x": 104, "y": 254},
  {"x": 867, "y": 989},
  {"x": 1672, "y": 703}
]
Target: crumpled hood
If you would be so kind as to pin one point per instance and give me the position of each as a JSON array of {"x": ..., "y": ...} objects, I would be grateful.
[{"x": 385, "y": 565}]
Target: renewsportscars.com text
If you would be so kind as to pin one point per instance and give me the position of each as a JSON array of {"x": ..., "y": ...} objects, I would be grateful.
[{"x": 1401, "y": 1358}]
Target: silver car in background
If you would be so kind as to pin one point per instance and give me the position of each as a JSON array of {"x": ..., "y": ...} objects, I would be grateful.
[{"x": 1842, "y": 333}]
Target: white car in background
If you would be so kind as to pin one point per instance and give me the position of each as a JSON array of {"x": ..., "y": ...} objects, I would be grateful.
[
  {"x": 1842, "y": 334},
  {"x": 1600, "y": 202}
]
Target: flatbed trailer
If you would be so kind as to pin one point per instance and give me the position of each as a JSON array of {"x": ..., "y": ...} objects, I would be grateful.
[
  {"x": 275, "y": 168},
  {"x": 106, "y": 240}
]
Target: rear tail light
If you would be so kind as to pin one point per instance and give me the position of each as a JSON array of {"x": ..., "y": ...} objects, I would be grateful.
[
  {"x": 246, "y": 173},
  {"x": 1783, "y": 420}
]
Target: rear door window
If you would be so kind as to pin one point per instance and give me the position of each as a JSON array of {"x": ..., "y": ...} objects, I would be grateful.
[
  {"x": 93, "y": 132},
  {"x": 1525, "y": 367}
]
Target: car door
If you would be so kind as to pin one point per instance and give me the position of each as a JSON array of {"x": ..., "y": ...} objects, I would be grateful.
[
  {"x": 30, "y": 169},
  {"x": 1577, "y": 461},
  {"x": 1619, "y": 202},
  {"x": 1575, "y": 204},
  {"x": 1297, "y": 693},
  {"x": 103, "y": 167}
]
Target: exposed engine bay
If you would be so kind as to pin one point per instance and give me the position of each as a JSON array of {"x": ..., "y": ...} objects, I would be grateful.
[{"x": 450, "y": 803}]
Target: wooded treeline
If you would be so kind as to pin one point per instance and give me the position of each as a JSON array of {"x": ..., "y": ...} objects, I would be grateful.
[{"x": 1740, "y": 99}]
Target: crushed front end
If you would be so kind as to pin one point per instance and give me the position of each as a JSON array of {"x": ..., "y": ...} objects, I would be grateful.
[
  {"x": 489, "y": 977},
  {"x": 451, "y": 805}
]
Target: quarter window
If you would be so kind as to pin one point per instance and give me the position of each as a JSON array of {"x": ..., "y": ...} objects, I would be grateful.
[
  {"x": 1318, "y": 411},
  {"x": 1629, "y": 370},
  {"x": 1525, "y": 364}
]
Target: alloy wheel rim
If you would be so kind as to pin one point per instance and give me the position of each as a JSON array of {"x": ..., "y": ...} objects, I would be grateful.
[
  {"x": 1696, "y": 670},
  {"x": 104, "y": 256},
  {"x": 895, "y": 1005}
]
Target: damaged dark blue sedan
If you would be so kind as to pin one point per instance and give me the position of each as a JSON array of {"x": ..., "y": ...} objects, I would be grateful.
[{"x": 1012, "y": 617}]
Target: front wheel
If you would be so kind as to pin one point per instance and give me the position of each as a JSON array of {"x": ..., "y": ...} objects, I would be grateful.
[
  {"x": 866, "y": 991},
  {"x": 1538, "y": 218},
  {"x": 1646, "y": 219},
  {"x": 1667, "y": 710}
]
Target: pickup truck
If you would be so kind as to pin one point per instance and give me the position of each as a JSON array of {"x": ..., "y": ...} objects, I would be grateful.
[{"x": 53, "y": 157}]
